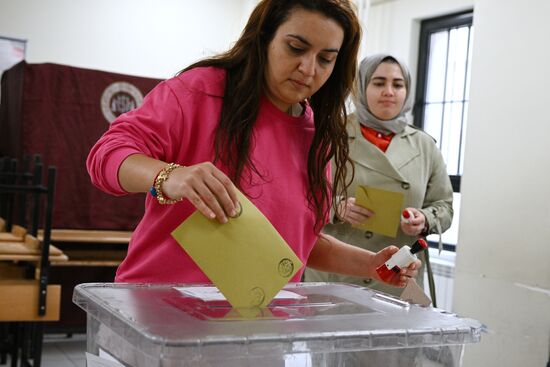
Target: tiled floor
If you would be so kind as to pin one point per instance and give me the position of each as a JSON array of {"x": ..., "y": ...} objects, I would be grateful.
[{"x": 61, "y": 351}]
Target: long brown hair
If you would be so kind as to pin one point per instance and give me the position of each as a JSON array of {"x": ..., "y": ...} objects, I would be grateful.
[{"x": 245, "y": 65}]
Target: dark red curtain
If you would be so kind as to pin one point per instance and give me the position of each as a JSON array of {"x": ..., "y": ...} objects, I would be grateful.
[{"x": 59, "y": 112}]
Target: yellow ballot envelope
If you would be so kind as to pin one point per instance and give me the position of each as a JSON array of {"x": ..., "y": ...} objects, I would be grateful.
[
  {"x": 246, "y": 258},
  {"x": 386, "y": 205}
]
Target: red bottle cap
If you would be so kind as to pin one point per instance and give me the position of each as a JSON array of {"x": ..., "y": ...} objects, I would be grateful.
[{"x": 419, "y": 245}]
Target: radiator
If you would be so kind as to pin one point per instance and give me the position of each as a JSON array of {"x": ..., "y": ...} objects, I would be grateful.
[{"x": 443, "y": 271}]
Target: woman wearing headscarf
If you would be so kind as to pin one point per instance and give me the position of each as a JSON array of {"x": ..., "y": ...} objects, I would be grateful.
[{"x": 390, "y": 154}]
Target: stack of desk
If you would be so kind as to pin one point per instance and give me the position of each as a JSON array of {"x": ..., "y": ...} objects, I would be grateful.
[
  {"x": 92, "y": 254},
  {"x": 28, "y": 297},
  {"x": 19, "y": 301},
  {"x": 17, "y": 245}
]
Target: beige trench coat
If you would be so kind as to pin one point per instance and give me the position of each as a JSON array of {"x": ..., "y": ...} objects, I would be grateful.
[{"x": 412, "y": 165}]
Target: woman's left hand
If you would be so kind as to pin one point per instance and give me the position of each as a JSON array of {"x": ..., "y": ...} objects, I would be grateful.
[
  {"x": 352, "y": 213},
  {"x": 415, "y": 225},
  {"x": 397, "y": 279}
]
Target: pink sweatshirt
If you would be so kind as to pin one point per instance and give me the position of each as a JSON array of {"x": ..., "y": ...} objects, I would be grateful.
[{"x": 177, "y": 123}]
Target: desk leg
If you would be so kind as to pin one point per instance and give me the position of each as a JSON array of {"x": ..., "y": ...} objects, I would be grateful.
[{"x": 38, "y": 339}]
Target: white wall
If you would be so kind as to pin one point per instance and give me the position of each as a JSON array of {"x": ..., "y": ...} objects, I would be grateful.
[
  {"x": 502, "y": 275},
  {"x": 154, "y": 38},
  {"x": 503, "y": 271}
]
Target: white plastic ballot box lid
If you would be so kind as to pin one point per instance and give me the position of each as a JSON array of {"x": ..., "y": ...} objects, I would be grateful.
[{"x": 317, "y": 317}]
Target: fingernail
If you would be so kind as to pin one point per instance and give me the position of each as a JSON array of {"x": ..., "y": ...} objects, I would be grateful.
[{"x": 238, "y": 210}]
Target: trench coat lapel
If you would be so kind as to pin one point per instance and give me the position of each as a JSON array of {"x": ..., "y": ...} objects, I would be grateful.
[
  {"x": 402, "y": 150},
  {"x": 397, "y": 155}
]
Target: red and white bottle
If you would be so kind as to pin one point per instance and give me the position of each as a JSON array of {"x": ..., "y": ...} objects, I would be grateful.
[{"x": 401, "y": 259}]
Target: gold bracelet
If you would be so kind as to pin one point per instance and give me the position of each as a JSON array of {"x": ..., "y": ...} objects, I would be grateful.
[{"x": 162, "y": 176}]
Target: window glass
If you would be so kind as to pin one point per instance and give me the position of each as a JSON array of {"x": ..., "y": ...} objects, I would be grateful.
[
  {"x": 442, "y": 95},
  {"x": 448, "y": 77},
  {"x": 436, "y": 75},
  {"x": 432, "y": 120}
]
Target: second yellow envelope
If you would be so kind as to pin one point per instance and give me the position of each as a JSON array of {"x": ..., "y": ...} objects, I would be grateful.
[{"x": 386, "y": 205}]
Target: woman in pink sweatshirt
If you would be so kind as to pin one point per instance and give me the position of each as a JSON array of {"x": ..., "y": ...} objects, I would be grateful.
[{"x": 266, "y": 117}]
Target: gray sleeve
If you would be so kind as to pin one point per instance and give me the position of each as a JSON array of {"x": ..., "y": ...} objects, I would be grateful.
[{"x": 438, "y": 202}]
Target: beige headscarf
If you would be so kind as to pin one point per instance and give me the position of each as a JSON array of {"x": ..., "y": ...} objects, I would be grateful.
[{"x": 366, "y": 70}]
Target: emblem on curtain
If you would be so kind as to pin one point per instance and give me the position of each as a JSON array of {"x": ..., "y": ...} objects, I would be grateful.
[{"x": 118, "y": 98}]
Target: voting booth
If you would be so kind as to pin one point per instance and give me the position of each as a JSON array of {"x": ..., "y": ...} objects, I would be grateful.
[
  {"x": 307, "y": 324},
  {"x": 59, "y": 112}
]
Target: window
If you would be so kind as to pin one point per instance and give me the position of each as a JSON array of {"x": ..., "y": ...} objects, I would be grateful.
[{"x": 442, "y": 93}]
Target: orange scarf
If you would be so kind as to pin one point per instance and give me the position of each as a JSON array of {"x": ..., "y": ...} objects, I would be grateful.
[{"x": 377, "y": 138}]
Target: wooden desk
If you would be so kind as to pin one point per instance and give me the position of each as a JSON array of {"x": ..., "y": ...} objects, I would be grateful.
[
  {"x": 17, "y": 233},
  {"x": 28, "y": 250},
  {"x": 93, "y": 256},
  {"x": 19, "y": 301},
  {"x": 90, "y": 247},
  {"x": 88, "y": 236}
]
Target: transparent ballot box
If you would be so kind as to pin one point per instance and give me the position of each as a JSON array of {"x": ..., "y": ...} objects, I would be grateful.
[{"x": 309, "y": 324}]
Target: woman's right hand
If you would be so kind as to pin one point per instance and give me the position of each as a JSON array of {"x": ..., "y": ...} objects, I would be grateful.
[
  {"x": 354, "y": 214},
  {"x": 206, "y": 187},
  {"x": 396, "y": 279}
]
